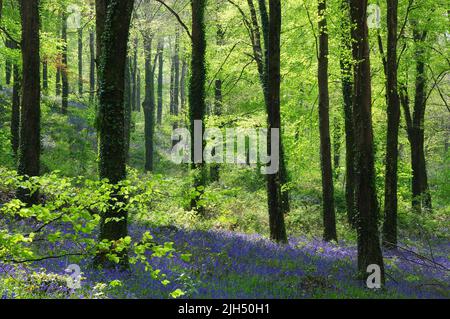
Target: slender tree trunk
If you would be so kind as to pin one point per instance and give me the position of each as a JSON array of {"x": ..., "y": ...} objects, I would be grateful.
[
  {"x": 133, "y": 68},
  {"x": 420, "y": 188},
  {"x": 369, "y": 250},
  {"x": 176, "y": 82},
  {"x": 160, "y": 79},
  {"x": 337, "y": 143},
  {"x": 138, "y": 89},
  {"x": 64, "y": 68},
  {"x": 197, "y": 96},
  {"x": 171, "y": 87},
  {"x": 112, "y": 23},
  {"x": 29, "y": 132},
  {"x": 214, "y": 170},
  {"x": 329, "y": 218},
  {"x": 92, "y": 66},
  {"x": 149, "y": 106},
  {"x": 184, "y": 70},
  {"x": 45, "y": 76},
  {"x": 80, "y": 61},
  {"x": 263, "y": 66},
  {"x": 127, "y": 106},
  {"x": 393, "y": 112},
  {"x": 15, "y": 112},
  {"x": 276, "y": 216},
  {"x": 347, "y": 94},
  {"x": 8, "y": 71}
]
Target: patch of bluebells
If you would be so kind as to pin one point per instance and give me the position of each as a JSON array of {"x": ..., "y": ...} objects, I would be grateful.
[{"x": 233, "y": 265}]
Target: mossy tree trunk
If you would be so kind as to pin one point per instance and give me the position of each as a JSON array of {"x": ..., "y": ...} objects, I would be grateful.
[
  {"x": 369, "y": 250},
  {"x": 393, "y": 122},
  {"x": 197, "y": 102},
  {"x": 112, "y": 24},
  {"x": 347, "y": 95}
]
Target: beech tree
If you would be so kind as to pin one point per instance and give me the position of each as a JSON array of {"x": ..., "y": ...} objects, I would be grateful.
[
  {"x": 329, "y": 219},
  {"x": 369, "y": 250},
  {"x": 30, "y": 115},
  {"x": 112, "y": 28}
]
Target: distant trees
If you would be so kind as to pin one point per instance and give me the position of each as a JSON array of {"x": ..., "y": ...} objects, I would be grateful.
[
  {"x": 112, "y": 26},
  {"x": 369, "y": 251}
]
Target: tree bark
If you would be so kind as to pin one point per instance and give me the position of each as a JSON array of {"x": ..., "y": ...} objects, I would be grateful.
[
  {"x": 347, "y": 94},
  {"x": 29, "y": 132},
  {"x": 45, "y": 76},
  {"x": 184, "y": 70},
  {"x": 128, "y": 107},
  {"x": 64, "y": 67},
  {"x": 393, "y": 122},
  {"x": 149, "y": 106},
  {"x": 369, "y": 250},
  {"x": 329, "y": 218},
  {"x": 276, "y": 216},
  {"x": 133, "y": 68},
  {"x": 112, "y": 23},
  {"x": 15, "y": 112},
  {"x": 197, "y": 96},
  {"x": 80, "y": 61},
  {"x": 160, "y": 79},
  {"x": 92, "y": 66}
]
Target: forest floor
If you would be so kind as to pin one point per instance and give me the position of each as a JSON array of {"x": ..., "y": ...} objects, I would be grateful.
[{"x": 233, "y": 265}]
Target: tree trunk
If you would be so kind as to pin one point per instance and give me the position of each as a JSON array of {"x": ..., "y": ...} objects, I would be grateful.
[
  {"x": 337, "y": 143},
  {"x": 112, "y": 24},
  {"x": 133, "y": 68},
  {"x": 274, "y": 196},
  {"x": 92, "y": 66},
  {"x": 138, "y": 89},
  {"x": 329, "y": 218},
  {"x": 369, "y": 250},
  {"x": 80, "y": 61},
  {"x": 393, "y": 113},
  {"x": 127, "y": 106},
  {"x": 347, "y": 94},
  {"x": 45, "y": 76},
  {"x": 263, "y": 74},
  {"x": 64, "y": 67},
  {"x": 214, "y": 171},
  {"x": 171, "y": 87},
  {"x": 160, "y": 79},
  {"x": 420, "y": 188},
  {"x": 8, "y": 70},
  {"x": 197, "y": 96},
  {"x": 15, "y": 112},
  {"x": 184, "y": 70},
  {"x": 29, "y": 132},
  {"x": 176, "y": 82},
  {"x": 149, "y": 106}
]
